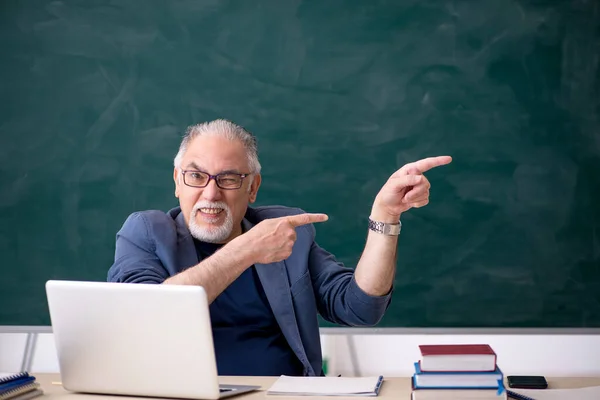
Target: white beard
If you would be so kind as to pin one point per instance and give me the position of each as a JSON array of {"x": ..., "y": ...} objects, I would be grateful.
[{"x": 214, "y": 233}]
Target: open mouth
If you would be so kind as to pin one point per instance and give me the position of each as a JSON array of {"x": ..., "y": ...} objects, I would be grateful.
[
  {"x": 211, "y": 211},
  {"x": 210, "y": 214}
]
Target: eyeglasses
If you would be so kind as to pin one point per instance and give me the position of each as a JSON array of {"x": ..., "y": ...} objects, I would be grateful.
[{"x": 225, "y": 180}]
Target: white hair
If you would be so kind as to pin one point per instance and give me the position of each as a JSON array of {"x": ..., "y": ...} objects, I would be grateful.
[{"x": 227, "y": 130}]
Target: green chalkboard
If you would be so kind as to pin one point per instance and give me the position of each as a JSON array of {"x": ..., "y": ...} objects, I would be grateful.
[{"x": 96, "y": 94}]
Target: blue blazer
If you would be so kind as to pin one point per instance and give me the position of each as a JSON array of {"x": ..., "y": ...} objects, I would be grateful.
[{"x": 153, "y": 246}]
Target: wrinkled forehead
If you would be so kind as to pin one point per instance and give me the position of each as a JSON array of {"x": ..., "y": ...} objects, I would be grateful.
[{"x": 215, "y": 154}]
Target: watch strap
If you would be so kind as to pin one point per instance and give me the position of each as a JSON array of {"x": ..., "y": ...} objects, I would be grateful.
[{"x": 385, "y": 228}]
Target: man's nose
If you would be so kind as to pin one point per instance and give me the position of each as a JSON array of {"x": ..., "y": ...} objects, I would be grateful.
[{"x": 211, "y": 191}]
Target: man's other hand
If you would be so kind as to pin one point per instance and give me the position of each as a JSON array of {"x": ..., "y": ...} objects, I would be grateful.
[{"x": 405, "y": 189}]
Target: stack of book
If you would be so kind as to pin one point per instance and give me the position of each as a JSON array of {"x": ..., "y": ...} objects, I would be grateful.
[
  {"x": 457, "y": 371},
  {"x": 19, "y": 386}
]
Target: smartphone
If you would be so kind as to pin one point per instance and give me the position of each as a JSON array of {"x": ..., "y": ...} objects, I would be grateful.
[{"x": 527, "y": 382}]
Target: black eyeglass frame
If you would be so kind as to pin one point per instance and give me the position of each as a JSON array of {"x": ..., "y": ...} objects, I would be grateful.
[{"x": 215, "y": 178}]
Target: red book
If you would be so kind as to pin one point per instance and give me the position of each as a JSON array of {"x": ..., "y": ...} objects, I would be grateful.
[{"x": 457, "y": 357}]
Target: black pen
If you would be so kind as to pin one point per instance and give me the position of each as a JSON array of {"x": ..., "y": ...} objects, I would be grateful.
[{"x": 513, "y": 395}]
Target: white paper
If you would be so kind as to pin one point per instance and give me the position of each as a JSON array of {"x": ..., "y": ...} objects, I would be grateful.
[
  {"x": 325, "y": 386},
  {"x": 588, "y": 393}
]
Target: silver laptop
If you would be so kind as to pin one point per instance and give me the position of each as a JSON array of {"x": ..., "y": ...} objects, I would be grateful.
[{"x": 135, "y": 339}]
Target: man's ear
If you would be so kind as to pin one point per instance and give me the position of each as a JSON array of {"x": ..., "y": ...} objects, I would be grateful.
[
  {"x": 176, "y": 179},
  {"x": 254, "y": 188}
]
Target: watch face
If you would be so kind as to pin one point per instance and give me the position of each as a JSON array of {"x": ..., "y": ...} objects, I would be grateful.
[{"x": 390, "y": 229}]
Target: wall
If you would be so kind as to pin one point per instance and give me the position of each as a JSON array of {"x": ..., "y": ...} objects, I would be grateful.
[{"x": 393, "y": 354}]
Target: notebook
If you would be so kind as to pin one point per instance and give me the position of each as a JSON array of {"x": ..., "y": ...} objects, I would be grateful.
[
  {"x": 14, "y": 381},
  {"x": 326, "y": 386},
  {"x": 29, "y": 390},
  {"x": 18, "y": 386},
  {"x": 135, "y": 339}
]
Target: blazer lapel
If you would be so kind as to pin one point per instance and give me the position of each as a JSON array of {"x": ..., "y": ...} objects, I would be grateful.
[{"x": 273, "y": 278}]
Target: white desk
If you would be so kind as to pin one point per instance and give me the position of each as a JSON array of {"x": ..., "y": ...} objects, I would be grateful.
[{"x": 392, "y": 388}]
